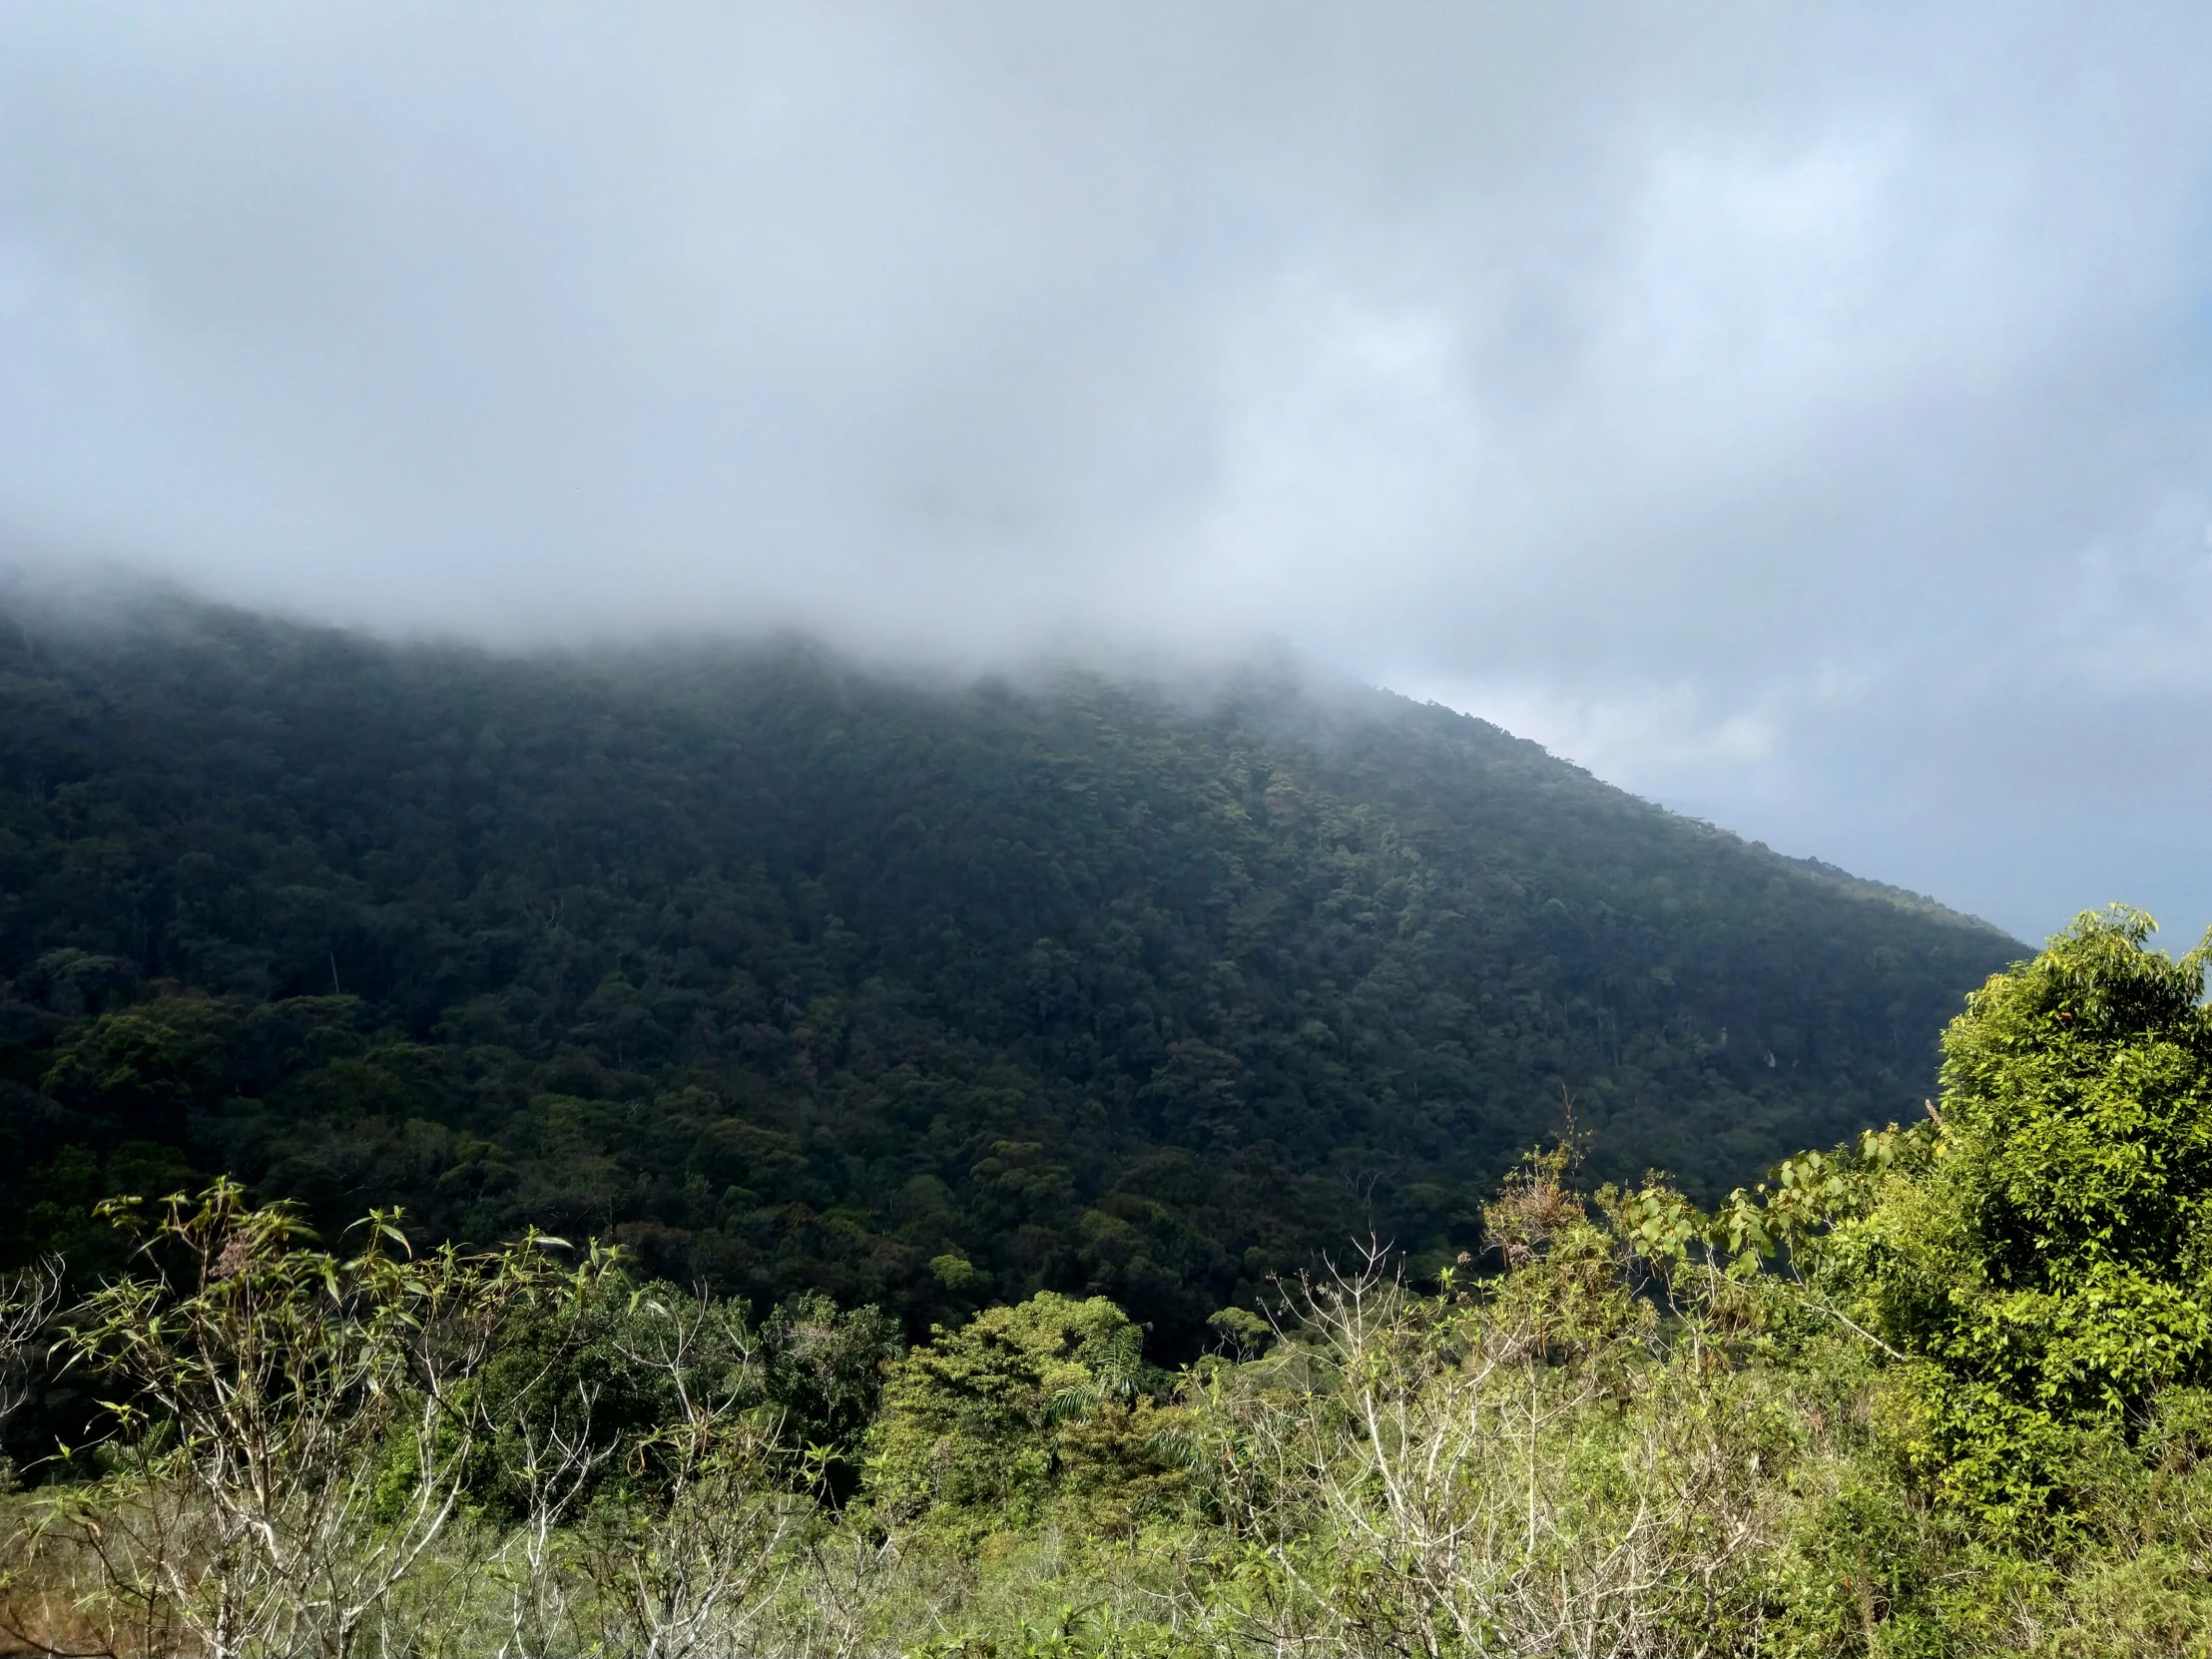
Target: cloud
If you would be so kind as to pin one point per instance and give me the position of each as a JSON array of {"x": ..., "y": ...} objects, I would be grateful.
[{"x": 1800, "y": 417}]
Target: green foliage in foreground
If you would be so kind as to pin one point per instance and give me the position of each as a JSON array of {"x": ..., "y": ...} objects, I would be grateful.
[
  {"x": 1943, "y": 1391},
  {"x": 796, "y": 978},
  {"x": 2060, "y": 1270}
]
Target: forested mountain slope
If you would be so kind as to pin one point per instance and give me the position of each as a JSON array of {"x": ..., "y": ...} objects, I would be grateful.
[{"x": 793, "y": 975}]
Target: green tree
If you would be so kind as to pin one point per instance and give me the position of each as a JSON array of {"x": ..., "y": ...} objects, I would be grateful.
[
  {"x": 982, "y": 1424},
  {"x": 824, "y": 1371},
  {"x": 2043, "y": 1259}
]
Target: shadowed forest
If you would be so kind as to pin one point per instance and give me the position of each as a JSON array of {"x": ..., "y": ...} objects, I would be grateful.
[
  {"x": 793, "y": 978},
  {"x": 722, "y": 1151}
]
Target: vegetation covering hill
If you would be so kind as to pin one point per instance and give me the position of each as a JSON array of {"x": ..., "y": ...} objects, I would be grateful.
[
  {"x": 795, "y": 977},
  {"x": 1945, "y": 1391}
]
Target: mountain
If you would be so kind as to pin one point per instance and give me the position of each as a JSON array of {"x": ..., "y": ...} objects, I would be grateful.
[{"x": 787, "y": 974}]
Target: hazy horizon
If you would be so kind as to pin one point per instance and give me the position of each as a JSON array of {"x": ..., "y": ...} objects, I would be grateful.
[{"x": 1803, "y": 422}]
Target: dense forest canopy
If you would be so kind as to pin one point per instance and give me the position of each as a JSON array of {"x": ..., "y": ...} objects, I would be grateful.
[
  {"x": 795, "y": 976},
  {"x": 1941, "y": 1392}
]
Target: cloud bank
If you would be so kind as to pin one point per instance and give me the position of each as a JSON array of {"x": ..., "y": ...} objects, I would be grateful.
[{"x": 1800, "y": 417}]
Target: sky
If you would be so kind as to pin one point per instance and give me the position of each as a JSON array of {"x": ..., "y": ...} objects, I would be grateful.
[{"x": 1799, "y": 415}]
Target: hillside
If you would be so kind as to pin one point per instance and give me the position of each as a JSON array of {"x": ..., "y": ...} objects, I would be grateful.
[{"x": 789, "y": 974}]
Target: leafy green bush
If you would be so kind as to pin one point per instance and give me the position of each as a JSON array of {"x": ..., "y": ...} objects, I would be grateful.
[
  {"x": 2047, "y": 1260},
  {"x": 985, "y": 1426}
]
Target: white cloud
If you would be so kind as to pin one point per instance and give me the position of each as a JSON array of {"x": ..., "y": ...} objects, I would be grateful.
[{"x": 1799, "y": 415}]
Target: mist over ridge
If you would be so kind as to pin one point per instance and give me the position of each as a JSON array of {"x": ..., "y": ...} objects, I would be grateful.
[
  {"x": 1802, "y": 422},
  {"x": 114, "y": 599}
]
